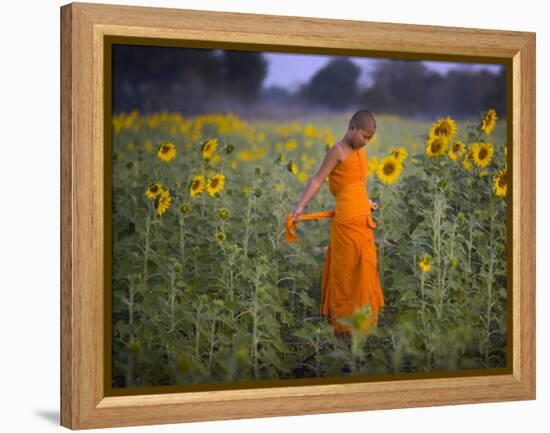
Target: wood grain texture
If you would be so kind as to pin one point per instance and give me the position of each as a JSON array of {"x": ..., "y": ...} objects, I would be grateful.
[{"x": 83, "y": 27}]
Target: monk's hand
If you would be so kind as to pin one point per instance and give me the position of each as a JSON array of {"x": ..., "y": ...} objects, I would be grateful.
[
  {"x": 374, "y": 205},
  {"x": 296, "y": 212}
]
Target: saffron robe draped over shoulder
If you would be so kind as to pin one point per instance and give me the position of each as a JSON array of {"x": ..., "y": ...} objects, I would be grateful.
[{"x": 350, "y": 273}]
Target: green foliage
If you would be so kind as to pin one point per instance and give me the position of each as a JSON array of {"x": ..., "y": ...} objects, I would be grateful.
[{"x": 189, "y": 309}]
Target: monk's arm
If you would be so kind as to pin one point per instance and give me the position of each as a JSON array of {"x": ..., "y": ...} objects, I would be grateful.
[
  {"x": 312, "y": 187},
  {"x": 314, "y": 184}
]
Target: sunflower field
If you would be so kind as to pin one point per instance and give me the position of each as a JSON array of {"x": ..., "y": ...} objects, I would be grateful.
[{"x": 206, "y": 290}]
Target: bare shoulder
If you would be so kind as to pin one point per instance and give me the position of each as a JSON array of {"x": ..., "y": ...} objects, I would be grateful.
[{"x": 336, "y": 152}]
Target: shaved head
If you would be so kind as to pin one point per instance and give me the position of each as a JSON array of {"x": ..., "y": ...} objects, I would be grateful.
[{"x": 363, "y": 119}]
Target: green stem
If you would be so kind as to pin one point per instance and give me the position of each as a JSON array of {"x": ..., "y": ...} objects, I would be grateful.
[
  {"x": 172, "y": 301},
  {"x": 130, "y": 369},
  {"x": 197, "y": 332},
  {"x": 182, "y": 242},
  {"x": 212, "y": 336},
  {"x": 255, "y": 331},
  {"x": 490, "y": 283},
  {"x": 247, "y": 224},
  {"x": 147, "y": 247}
]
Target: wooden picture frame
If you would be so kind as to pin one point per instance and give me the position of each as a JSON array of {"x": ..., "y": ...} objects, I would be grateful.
[{"x": 85, "y": 32}]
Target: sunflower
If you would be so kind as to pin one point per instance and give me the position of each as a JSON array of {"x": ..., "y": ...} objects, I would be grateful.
[
  {"x": 389, "y": 170},
  {"x": 445, "y": 128},
  {"x": 372, "y": 164},
  {"x": 162, "y": 202},
  {"x": 167, "y": 151},
  {"x": 499, "y": 183},
  {"x": 488, "y": 121},
  {"x": 185, "y": 208},
  {"x": 216, "y": 157},
  {"x": 224, "y": 213},
  {"x": 292, "y": 167},
  {"x": 400, "y": 154},
  {"x": 153, "y": 190},
  {"x": 302, "y": 176},
  {"x": 456, "y": 150},
  {"x": 425, "y": 263},
  {"x": 220, "y": 237},
  {"x": 467, "y": 161},
  {"x": 291, "y": 144},
  {"x": 198, "y": 185},
  {"x": 436, "y": 146},
  {"x": 281, "y": 159},
  {"x": 215, "y": 185},
  {"x": 209, "y": 147},
  {"x": 453, "y": 262},
  {"x": 482, "y": 154}
]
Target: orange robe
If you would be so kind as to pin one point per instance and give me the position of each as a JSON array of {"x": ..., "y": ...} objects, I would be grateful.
[{"x": 350, "y": 273}]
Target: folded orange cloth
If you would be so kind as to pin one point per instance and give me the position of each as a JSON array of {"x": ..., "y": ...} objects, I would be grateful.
[{"x": 291, "y": 224}]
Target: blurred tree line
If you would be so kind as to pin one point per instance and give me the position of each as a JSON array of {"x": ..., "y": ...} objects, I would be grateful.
[{"x": 192, "y": 81}]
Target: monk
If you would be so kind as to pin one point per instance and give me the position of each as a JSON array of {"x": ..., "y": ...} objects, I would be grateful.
[{"x": 350, "y": 274}]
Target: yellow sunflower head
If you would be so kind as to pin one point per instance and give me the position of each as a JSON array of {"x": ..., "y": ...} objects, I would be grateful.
[
  {"x": 215, "y": 184},
  {"x": 224, "y": 213},
  {"x": 162, "y": 201},
  {"x": 220, "y": 237},
  {"x": 209, "y": 147},
  {"x": 445, "y": 128},
  {"x": 482, "y": 154},
  {"x": 166, "y": 151},
  {"x": 198, "y": 185},
  {"x": 292, "y": 167},
  {"x": 291, "y": 144},
  {"x": 389, "y": 170},
  {"x": 185, "y": 208},
  {"x": 425, "y": 263},
  {"x": 400, "y": 154},
  {"x": 436, "y": 146},
  {"x": 372, "y": 165},
  {"x": 488, "y": 121},
  {"x": 467, "y": 160},
  {"x": 456, "y": 150},
  {"x": 500, "y": 183},
  {"x": 215, "y": 158},
  {"x": 153, "y": 190}
]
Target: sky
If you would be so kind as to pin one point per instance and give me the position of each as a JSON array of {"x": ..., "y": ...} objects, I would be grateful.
[{"x": 289, "y": 69}]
